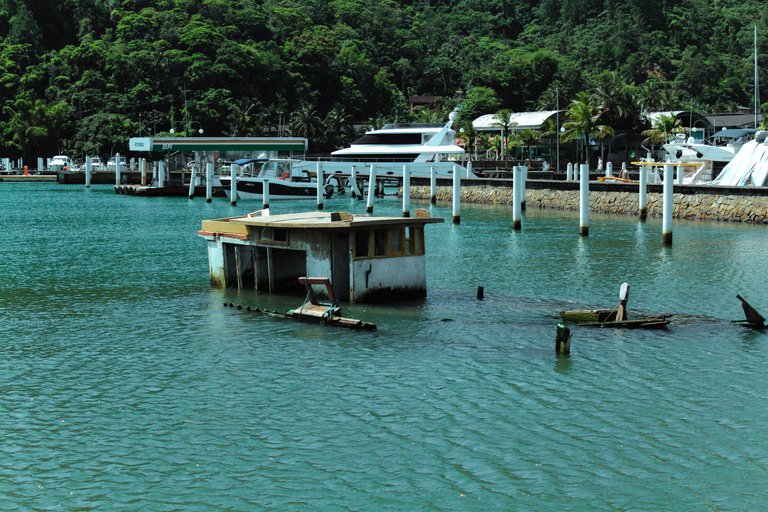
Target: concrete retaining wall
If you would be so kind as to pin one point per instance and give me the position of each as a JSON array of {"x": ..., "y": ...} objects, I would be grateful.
[{"x": 699, "y": 206}]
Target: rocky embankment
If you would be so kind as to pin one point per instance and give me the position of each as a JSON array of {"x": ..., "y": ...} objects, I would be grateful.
[{"x": 697, "y": 203}]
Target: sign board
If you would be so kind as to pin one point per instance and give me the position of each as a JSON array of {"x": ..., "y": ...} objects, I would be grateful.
[{"x": 140, "y": 144}]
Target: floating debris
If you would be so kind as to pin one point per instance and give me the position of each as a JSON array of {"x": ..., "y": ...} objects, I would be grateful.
[{"x": 315, "y": 311}]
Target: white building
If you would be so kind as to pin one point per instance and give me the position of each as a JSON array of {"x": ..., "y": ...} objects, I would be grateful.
[{"x": 368, "y": 259}]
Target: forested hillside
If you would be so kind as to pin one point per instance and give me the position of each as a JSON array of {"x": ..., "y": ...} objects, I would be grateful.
[{"x": 82, "y": 76}]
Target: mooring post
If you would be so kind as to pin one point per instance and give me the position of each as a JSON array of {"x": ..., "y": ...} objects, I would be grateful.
[
  {"x": 192, "y": 182},
  {"x": 667, "y": 207},
  {"x": 524, "y": 172},
  {"x": 406, "y": 191},
  {"x": 432, "y": 186},
  {"x": 569, "y": 172},
  {"x": 161, "y": 174},
  {"x": 234, "y": 171},
  {"x": 480, "y": 292},
  {"x": 143, "y": 171},
  {"x": 516, "y": 189},
  {"x": 643, "y": 192},
  {"x": 584, "y": 199},
  {"x": 208, "y": 182},
  {"x": 456, "y": 196},
  {"x": 88, "y": 169},
  {"x": 563, "y": 340},
  {"x": 353, "y": 183},
  {"x": 118, "y": 179},
  {"x": 265, "y": 194},
  {"x": 609, "y": 169},
  {"x": 679, "y": 174},
  {"x": 40, "y": 165},
  {"x": 371, "y": 190},
  {"x": 320, "y": 189},
  {"x": 469, "y": 169},
  {"x": 576, "y": 172}
]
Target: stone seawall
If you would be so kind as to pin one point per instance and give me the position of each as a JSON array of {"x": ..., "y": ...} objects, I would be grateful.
[{"x": 713, "y": 207}]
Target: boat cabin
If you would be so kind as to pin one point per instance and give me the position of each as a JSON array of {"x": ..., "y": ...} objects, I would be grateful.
[{"x": 368, "y": 259}]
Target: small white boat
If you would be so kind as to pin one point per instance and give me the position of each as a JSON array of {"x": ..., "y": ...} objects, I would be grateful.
[
  {"x": 60, "y": 163},
  {"x": 284, "y": 182}
]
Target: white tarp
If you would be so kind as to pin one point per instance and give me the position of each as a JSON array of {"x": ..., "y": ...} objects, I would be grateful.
[
  {"x": 518, "y": 120},
  {"x": 748, "y": 168}
]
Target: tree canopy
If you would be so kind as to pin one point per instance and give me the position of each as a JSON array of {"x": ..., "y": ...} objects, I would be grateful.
[{"x": 81, "y": 76}]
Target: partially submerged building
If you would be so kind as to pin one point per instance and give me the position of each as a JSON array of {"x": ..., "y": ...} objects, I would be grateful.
[{"x": 368, "y": 259}]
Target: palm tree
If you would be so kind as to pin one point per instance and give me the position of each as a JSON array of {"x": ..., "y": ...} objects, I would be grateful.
[
  {"x": 663, "y": 128},
  {"x": 505, "y": 123},
  {"x": 616, "y": 99},
  {"x": 528, "y": 137},
  {"x": 583, "y": 122},
  {"x": 468, "y": 135},
  {"x": 304, "y": 121}
]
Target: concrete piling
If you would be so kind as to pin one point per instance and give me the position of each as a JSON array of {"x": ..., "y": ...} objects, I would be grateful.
[
  {"x": 680, "y": 174},
  {"x": 563, "y": 340},
  {"x": 233, "y": 173},
  {"x": 516, "y": 207},
  {"x": 88, "y": 170},
  {"x": 320, "y": 189},
  {"x": 265, "y": 194},
  {"x": 667, "y": 196},
  {"x": 524, "y": 171},
  {"x": 406, "y": 191},
  {"x": 469, "y": 169},
  {"x": 40, "y": 165},
  {"x": 609, "y": 169},
  {"x": 118, "y": 178},
  {"x": 643, "y": 192},
  {"x": 456, "y": 196},
  {"x": 208, "y": 182},
  {"x": 432, "y": 186},
  {"x": 353, "y": 184},
  {"x": 143, "y": 171},
  {"x": 161, "y": 174},
  {"x": 192, "y": 182},
  {"x": 584, "y": 200},
  {"x": 569, "y": 172},
  {"x": 371, "y": 190}
]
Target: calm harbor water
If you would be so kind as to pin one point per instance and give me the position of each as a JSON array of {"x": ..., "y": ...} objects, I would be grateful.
[{"x": 125, "y": 384}]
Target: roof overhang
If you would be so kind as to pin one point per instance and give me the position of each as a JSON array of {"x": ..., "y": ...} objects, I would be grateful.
[{"x": 167, "y": 144}]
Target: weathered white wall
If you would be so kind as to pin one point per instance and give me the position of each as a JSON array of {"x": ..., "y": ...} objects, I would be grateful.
[
  {"x": 406, "y": 275},
  {"x": 216, "y": 262}
]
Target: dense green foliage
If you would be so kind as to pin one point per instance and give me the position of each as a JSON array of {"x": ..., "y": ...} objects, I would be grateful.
[{"x": 82, "y": 76}]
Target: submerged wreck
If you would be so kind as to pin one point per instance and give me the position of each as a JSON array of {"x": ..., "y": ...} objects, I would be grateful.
[
  {"x": 366, "y": 258},
  {"x": 616, "y": 317}
]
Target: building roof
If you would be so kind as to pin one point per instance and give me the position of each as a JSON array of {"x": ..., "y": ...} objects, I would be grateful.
[
  {"x": 519, "y": 120},
  {"x": 316, "y": 220}
]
